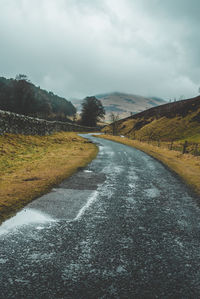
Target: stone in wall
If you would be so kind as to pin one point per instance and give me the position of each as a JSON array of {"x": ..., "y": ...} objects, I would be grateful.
[{"x": 21, "y": 124}]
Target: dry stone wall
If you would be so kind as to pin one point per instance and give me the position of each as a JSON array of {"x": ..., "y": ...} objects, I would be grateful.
[{"x": 20, "y": 124}]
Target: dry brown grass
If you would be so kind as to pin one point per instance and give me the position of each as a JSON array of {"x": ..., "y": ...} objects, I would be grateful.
[
  {"x": 31, "y": 165},
  {"x": 186, "y": 166},
  {"x": 163, "y": 128}
]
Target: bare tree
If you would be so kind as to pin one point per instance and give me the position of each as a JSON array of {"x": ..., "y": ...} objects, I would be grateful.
[
  {"x": 22, "y": 77},
  {"x": 114, "y": 118}
]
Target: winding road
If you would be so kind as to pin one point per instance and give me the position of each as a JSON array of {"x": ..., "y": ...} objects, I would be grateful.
[{"x": 124, "y": 227}]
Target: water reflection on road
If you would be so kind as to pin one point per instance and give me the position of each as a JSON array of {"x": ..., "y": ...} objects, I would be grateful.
[{"x": 124, "y": 227}]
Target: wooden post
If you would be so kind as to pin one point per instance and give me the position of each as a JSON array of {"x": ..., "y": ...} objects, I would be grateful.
[
  {"x": 171, "y": 145},
  {"x": 185, "y": 147},
  {"x": 196, "y": 149}
]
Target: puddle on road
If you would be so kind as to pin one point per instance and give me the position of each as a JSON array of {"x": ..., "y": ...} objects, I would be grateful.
[
  {"x": 152, "y": 192},
  {"x": 25, "y": 217}
]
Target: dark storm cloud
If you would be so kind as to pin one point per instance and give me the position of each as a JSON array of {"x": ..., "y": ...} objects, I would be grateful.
[{"x": 81, "y": 47}]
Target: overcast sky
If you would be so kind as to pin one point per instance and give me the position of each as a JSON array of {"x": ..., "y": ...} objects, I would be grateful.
[{"x": 77, "y": 48}]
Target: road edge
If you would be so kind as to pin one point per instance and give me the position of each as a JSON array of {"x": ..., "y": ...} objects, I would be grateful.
[
  {"x": 186, "y": 167},
  {"x": 33, "y": 191}
]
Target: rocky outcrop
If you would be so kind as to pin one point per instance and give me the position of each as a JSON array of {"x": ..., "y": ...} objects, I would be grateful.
[{"x": 20, "y": 124}]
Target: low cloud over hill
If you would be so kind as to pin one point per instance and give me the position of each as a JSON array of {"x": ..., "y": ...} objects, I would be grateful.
[{"x": 123, "y": 104}]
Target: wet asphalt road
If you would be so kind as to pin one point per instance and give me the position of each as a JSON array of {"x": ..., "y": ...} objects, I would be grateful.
[{"x": 125, "y": 227}]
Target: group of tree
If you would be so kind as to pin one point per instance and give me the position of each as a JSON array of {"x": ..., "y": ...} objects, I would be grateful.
[{"x": 19, "y": 95}]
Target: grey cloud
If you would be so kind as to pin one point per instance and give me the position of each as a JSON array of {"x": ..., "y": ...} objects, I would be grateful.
[
  {"x": 182, "y": 9},
  {"x": 78, "y": 48}
]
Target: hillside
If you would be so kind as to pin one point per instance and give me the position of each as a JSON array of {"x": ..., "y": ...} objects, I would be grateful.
[
  {"x": 23, "y": 97},
  {"x": 123, "y": 104},
  {"x": 172, "y": 121}
]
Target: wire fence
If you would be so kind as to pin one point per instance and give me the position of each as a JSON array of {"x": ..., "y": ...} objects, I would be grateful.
[{"x": 182, "y": 147}]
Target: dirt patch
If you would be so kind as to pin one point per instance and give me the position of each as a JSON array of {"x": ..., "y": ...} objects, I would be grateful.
[{"x": 31, "y": 179}]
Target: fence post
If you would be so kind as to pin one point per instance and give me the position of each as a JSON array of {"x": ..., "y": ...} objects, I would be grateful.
[
  {"x": 196, "y": 149},
  {"x": 185, "y": 147},
  {"x": 171, "y": 145}
]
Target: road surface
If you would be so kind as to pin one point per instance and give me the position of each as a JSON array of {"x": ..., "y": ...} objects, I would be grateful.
[{"x": 124, "y": 227}]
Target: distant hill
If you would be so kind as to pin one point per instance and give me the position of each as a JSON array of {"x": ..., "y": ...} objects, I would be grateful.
[
  {"x": 23, "y": 97},
  {"x": 123, "y": 104},
  {"x": 171, "y": 121}
]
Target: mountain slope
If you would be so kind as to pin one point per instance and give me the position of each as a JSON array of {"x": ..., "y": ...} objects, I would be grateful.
[
  {"x": 123, "y": 104},
  {"x": 172, "y": 121},
  {"x": 23, "y": 97}
]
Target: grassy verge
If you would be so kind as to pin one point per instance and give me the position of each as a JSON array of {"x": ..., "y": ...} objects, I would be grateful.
[
  {"x": 31, "y": 165},
  {"x": 186, "y": 166}
]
